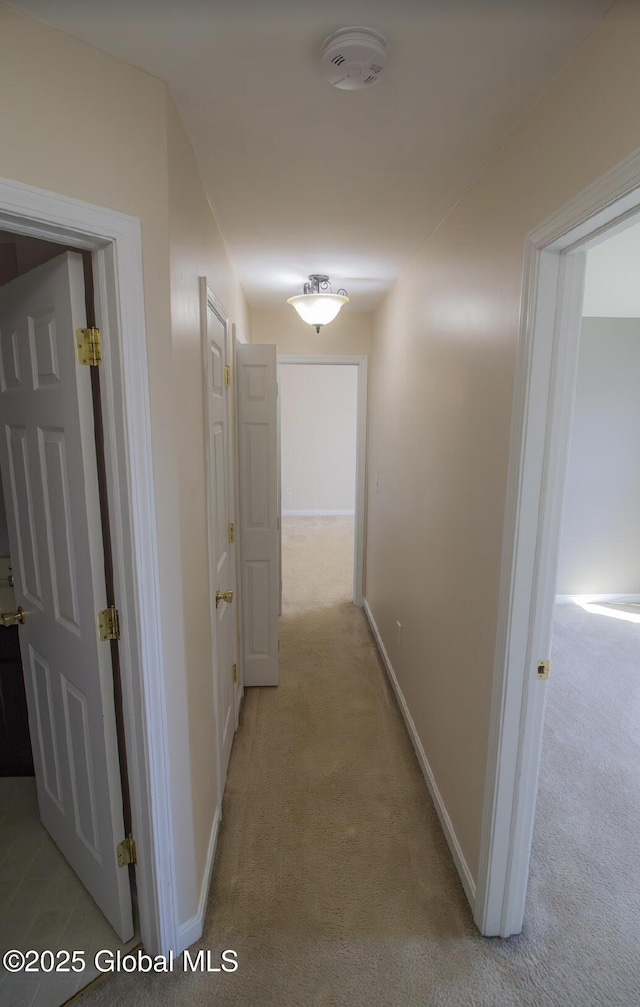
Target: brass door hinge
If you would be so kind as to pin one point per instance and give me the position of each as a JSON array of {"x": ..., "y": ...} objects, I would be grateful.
[
  {"x": 89, "y": 347},
  {"x": 544, "y": 669},
  {"x": 235, "y": 673},
  {"x": 232, "y": 533},
  {"x": 227, "y": 376},
  {"x": 109, "y": 624},
  {"x": 126, "y": 851}
]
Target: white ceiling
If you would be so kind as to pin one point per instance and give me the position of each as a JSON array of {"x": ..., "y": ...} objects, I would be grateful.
[
  {"x": 612, "y": 278},
  {"x": 307, "y": 178}
]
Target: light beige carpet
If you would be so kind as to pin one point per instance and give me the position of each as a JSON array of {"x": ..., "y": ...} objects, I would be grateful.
[
  {"x": 332, "y": 878},
  {"x": 317, "y": 563}
]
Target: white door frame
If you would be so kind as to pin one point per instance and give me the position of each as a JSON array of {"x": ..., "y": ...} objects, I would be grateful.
[
  {"x": 234, "y": 342},
  {"x": 116, "y": 243},
  {"x": 550, "y": 323},
  {"x": 361, "y": 362},
  {"x": 208, "y": 299}
]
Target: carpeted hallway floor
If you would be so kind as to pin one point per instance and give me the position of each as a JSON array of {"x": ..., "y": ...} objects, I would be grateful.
[
  {"x": 317, "y": 564},
  {"x": 332, "y": 879}
]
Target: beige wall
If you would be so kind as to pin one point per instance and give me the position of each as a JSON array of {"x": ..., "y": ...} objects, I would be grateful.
[
  {"x": 318, "y": 412},
  {"x": 443, "y": 355},
  {"x": 83, "y": 124},
  {"x": 350, "y": 333},
  {"x": 196, "y": 249}
]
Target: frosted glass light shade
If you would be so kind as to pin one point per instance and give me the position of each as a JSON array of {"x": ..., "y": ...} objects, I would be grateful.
[{"x": 318, "y": 309}]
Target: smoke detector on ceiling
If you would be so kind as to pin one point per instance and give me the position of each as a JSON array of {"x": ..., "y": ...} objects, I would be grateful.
[{"x": 354, "y": 58}]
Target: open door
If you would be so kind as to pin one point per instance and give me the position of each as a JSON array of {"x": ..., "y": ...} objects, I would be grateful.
[
  {"x": 49, "y": 473},
  {"x": 257, "y": 392},
  {"x": 221, "y": 549}
]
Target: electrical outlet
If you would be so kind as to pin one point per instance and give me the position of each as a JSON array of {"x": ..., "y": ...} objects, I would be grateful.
[
  {"x": 289, "y": 491},
  {"x": 398, "y": 633}
]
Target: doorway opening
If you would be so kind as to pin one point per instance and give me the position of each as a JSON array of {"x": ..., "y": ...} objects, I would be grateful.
[
  {"x": 114, "y": 240},
  {"x": 542, "y": 457},
  {"x": 58, "y": 769},
  {"x": 588, "y": 799},
  {"x": 318, "y": 415},
  {"x": 322, "y": 414}
]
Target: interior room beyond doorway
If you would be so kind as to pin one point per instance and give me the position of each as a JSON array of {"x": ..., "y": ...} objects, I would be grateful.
[
  {"x": 318, "y": 468},
  {"x": 589, "y": 796}
]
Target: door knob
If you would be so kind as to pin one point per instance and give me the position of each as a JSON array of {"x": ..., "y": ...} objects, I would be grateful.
[
  {"x": 11, "y": 618},
  {"x": 223, "y": 596}
]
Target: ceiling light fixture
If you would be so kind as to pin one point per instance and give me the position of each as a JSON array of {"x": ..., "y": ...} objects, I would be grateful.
[{"x": 318, "y": 305}]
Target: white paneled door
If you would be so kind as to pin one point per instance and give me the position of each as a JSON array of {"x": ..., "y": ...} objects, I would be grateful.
[
  {"x": 49, "y": 475},
  {"x": 257, "y": 391},
  {"x": 221, "y": 548}
]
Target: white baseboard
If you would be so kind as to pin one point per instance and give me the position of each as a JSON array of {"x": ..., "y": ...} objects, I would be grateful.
[
  {"x": 462, "y": 867},
  {"x": 318, "y": 513},
  {"x": 598, "y": 599},
  {"x": 191, "y": 930}
]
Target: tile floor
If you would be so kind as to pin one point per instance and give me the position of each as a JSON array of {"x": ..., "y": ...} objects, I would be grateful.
[{"x": 42, "y": 903}]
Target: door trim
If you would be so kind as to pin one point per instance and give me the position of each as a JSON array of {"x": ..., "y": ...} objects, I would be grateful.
[
  {"x": 361, "y": 362},
  {"x": 115, "y": 240},
  {"x": 550, "y": 318},
  {"x": 234, "y": 342}
]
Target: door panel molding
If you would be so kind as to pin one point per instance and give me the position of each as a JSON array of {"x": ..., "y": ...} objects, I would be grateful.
[
  {"x": 115, "y": 239},
  {"x": 257, "y": 393}
]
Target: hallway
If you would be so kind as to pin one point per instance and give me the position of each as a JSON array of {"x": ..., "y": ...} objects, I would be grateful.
[
  {"x": 330, "y": 877},
  {"x": 323, "y": 881},
  {"x": 332, "y": 881},
  {"x": 453, "y": 202}
]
